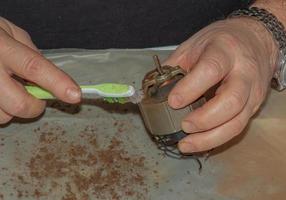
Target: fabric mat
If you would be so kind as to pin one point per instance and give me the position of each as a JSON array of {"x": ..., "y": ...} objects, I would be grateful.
[{"x": 102, "y": 151}]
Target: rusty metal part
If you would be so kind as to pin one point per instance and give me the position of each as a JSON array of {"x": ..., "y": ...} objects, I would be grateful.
[{"x": 162, "y": 121}]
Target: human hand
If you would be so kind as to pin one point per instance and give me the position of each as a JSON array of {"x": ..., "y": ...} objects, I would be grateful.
[
  {"x": 238, "y": 53},
  {"x": 20, "y": 57}
]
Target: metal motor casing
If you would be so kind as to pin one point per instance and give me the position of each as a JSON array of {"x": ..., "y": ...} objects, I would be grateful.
[{"x": 159, "y": 118}]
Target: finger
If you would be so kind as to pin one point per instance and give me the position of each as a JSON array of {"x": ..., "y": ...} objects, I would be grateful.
[
  {"x": 188, "y": 53},
  {"x": 4, "y": 117},
  {"x": 185, "y": 56},
  {"x": 23, "y": 37},
  {"x": 17, "y": 33},
  {"x": 32, "y": 66},
  {"x": 17, "y": 101},
  {"x": 213, "y": 65},
  {"x": 229, "y": 101},
  {"x": 204, "y": 141}
]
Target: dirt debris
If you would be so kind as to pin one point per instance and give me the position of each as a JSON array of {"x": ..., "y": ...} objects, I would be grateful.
[{"x": 80, "y": 168}]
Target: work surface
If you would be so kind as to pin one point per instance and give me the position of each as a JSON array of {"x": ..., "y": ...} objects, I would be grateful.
[{"x": 101, "y": 151}]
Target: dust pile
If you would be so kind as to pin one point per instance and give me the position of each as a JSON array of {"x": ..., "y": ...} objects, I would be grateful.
[{"x": 79, "y": 167}]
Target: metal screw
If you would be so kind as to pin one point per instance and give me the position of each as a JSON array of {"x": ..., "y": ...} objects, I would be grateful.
[{"x": 158, "y": 64}]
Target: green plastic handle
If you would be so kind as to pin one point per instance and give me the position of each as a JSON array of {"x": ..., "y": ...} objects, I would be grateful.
[
  {"x": 104, "y": 90},
  {"x": 39, "y": 93}
]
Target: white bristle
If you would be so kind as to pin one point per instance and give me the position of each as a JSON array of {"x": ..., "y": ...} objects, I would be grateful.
[{"x": 137, "y": 97}]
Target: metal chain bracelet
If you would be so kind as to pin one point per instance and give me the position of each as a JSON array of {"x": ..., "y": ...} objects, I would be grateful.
[
  {"x": 272, "y": 24},
  {"x": 277, "y": 29}
]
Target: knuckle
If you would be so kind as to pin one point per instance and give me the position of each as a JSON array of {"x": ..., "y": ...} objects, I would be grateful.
[
  {"x": 255, "y": 109},
  {"x": 20, "y": 106},
  {"x": 235, "y": 101},
  {"x": 201, "y": 124},
  {"x": 32, "y": 65},
  {"x": 24, "y": 33},
  {"x": 228, "y": 39},
  {"x": 5, "y": 119},
  {"x": 238, "y": 127},
  {"x": 251, "y": 62},
  {"x": 201, "y": 145},
  {"x": 213, "y": 69},
  {"x": 259, "y": 97},
  {"x": 260, "y": 93},
  {"x": 3, "y": 39}
]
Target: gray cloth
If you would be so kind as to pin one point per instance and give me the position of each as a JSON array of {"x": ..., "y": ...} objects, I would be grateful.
[{"x": 62, "y": 154}]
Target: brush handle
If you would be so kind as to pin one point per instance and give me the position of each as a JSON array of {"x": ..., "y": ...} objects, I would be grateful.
[
  {"x": 111, "y": 90},
  {"x": 39, "y": 93}
]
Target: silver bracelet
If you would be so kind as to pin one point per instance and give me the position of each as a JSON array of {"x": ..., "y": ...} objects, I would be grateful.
[{"x": 276, "y": 28}]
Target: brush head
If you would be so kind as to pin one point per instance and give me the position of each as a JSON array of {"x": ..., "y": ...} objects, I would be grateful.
[
  {"x": 135, "y": 98},
  {"x": 113, "y": 93},
  {"x": 109, "y": 90}
]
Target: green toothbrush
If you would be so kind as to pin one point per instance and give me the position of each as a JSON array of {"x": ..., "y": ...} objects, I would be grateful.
[{"x": 110, "y": 92}]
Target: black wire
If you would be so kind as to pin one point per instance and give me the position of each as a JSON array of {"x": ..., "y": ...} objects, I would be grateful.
[{"x": 173, "y": 152}]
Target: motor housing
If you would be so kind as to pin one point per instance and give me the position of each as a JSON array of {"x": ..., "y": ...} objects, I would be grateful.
[{"x": 162, "y": 121}]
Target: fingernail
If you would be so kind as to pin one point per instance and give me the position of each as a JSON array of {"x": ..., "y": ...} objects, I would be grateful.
[
  {"x": 189, "y": 127},
  {"x": 186, "y": 147},
  {"x": 176, "y": 100},
  {"x": 74, "y": 94}
]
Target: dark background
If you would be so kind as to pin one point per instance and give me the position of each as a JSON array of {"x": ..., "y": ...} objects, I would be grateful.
[{"x": 114, "y": 23}]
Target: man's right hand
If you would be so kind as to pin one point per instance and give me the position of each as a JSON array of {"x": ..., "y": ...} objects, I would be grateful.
[{"x": 20, "y": 57}]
